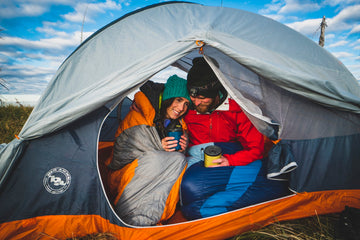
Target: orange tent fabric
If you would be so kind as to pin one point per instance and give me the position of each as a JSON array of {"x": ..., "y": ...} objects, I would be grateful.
[{"x": 218, "y": 227}]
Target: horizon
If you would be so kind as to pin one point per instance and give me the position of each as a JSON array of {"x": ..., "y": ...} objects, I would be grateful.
[{"x": 16, "y": 99}]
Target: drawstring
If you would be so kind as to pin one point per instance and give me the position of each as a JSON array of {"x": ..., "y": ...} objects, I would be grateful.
[{"x": 201, "y": 44}]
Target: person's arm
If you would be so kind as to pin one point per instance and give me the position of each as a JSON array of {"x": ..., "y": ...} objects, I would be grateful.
[{"x": 251, "y": 140}]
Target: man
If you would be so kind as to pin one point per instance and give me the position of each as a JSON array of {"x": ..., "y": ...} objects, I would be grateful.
[
  {"x": 239, "y": 178},
  {"x": 218, "y": 118}
]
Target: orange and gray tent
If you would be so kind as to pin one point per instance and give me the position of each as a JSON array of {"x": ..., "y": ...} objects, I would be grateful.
[{"x": 295, "y": 93}]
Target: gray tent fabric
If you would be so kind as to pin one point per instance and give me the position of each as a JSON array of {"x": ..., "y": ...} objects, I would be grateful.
[
  {"x": 95, "y": 73},
  {"x": 290, "y": 88}
]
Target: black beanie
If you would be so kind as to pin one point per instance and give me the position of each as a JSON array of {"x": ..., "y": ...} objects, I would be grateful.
[{"x": 201, "y": 75}]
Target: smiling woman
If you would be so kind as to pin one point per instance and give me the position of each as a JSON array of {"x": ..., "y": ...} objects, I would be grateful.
[{"x": 142, "y": 148}]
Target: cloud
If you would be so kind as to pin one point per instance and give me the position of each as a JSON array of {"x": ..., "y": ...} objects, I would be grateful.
[
  {"x": 49, "y": 43},
  {"x": 345, "y": 19},
  {"x": 292, "y": 6},
  {"x": 62, "y": 40},
  {"x": 285, "y": 7},
  {"x": 339, "y": 43},
  {"x": 50, "y": 29},
  {"x": 16, "y": 10},
  {"x": 27, "y": 70},
  {"x": 271, "y": 8},
  {"x": 29, "y": 8},
  {"x": 340, "y": 3},
  {"x": 89, "y": 10},
  {"x": 357, "y": 41},
  {"x": 355, "y": 29},
  {"x": 342, "y": 54},
  {"x": 330, "y": 36},
  {"x": 30, "y": 64},
  {"x": 307, "y": 27},
  {"x": 32, "y": 85},
  {"x": 355, "y": 69},
  {"x": 275, "y": 17},
  {"x": 27, "y": 78},
  {"x": 281, "y": 10}
]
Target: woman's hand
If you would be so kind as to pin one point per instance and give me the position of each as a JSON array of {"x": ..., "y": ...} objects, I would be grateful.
[
  {"x": 169, "y": 144},
  {"x": 184, "y": 142}
]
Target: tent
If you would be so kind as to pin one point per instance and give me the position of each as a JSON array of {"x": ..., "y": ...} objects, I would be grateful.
[{"x": 291, "y": 89}]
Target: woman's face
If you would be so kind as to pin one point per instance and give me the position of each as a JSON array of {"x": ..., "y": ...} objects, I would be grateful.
[{"x": 178, "y": 107}]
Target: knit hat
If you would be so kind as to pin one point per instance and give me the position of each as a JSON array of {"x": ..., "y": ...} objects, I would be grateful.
[
  {"x": 201, "y": 79},
  {"x": 175, "y": 87}
]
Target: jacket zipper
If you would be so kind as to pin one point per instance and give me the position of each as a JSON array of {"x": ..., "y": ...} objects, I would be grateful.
[{"x": 210, "y": 128}]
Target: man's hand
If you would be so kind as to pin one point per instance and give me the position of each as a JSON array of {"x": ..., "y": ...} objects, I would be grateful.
[{"x": 222, "y": 162}]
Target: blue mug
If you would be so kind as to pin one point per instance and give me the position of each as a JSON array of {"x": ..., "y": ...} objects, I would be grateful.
[{"x": 176, "y": 133}]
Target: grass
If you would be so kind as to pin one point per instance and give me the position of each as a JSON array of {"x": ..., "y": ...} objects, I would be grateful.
[
  {"x": 12, "y": 118},
  {"x": 312, "y": 228},
  {"x": 96, "y": 236}
]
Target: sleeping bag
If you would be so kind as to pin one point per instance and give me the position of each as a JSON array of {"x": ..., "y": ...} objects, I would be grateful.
[
  {"x": 146, "y": 179},
  {"x": 210, "y": 191}
]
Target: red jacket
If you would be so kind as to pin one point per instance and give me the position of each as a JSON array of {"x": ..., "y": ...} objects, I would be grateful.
[{"x": 227, "y": 123}]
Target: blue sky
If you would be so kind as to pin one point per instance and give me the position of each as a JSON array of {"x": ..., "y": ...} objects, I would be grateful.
[{"x": 37, "y": 35}]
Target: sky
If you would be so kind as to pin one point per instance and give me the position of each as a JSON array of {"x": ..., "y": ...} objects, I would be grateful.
[{"x": 38, "y": 35}]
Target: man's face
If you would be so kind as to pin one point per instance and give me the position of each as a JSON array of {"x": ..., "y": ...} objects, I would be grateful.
[{"x": 202, "y": 104}]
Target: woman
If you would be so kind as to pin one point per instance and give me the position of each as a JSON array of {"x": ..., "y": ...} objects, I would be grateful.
[{"x": 149, "y": 168}]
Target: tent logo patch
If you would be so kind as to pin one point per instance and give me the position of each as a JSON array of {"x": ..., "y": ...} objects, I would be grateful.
[{"x": 57, "y": 180}]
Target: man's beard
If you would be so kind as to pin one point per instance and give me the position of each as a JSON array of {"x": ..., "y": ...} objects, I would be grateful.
[{"x": 202, "y": 109}]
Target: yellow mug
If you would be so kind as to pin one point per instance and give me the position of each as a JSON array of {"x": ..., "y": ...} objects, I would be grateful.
[{"x": 211, "y": 153}]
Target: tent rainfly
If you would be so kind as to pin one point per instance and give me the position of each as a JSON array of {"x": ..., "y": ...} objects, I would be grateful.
[{"x": 290, "y": 88}]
